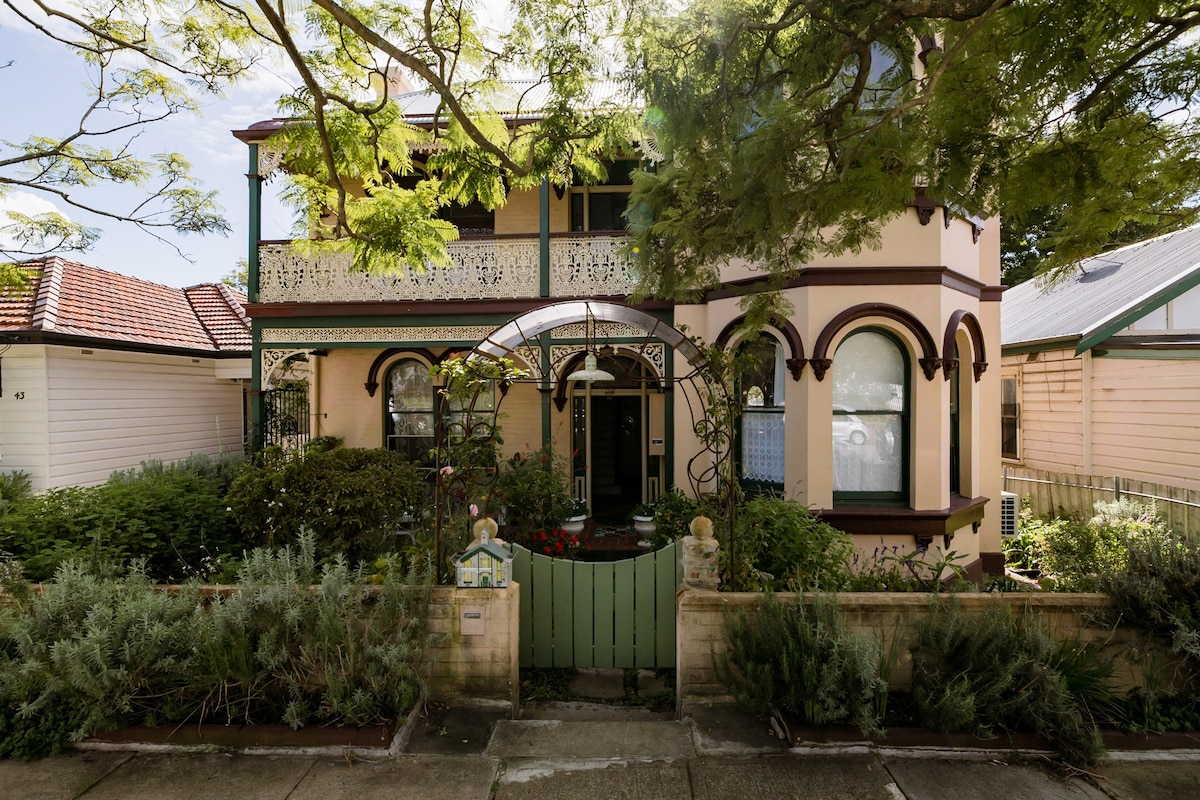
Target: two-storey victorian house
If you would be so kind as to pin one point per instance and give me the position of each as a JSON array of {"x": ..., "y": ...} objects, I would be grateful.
[{"x": 872, "y": 403}]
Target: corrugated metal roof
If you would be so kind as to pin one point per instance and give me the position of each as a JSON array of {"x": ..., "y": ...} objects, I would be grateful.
[
  {"x": 72, "y": 299},
  {"x": 518, "y": 98},
  {"x": 1111, "y": 289}
]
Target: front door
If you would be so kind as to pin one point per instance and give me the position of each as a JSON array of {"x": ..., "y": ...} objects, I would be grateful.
[{"x": 612, "y": 466}]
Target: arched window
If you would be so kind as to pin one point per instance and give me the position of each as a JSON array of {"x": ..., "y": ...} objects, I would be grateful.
[
  {"x": 870, "y": 419},
  {"x": 410, "y": 410},
  {"x": 761, "y": 387}
]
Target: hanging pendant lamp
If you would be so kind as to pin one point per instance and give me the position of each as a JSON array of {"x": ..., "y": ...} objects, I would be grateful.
[{"x": 590, "y": 372}]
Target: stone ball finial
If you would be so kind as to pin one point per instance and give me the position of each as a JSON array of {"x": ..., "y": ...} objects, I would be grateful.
[
  {"x": 701, "y": 528},
  {"x": 485, "y": 527}
]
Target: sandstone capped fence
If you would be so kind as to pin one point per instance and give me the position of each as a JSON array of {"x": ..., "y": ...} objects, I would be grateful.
[{"x": 892, "y": 617}]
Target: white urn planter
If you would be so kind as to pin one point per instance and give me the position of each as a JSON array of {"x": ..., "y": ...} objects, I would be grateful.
[
  {"x": 643, "y": 525},
  {"x": 574, "y": 525}
]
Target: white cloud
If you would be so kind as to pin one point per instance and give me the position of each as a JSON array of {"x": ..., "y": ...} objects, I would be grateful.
[{"x": 24, "y": 203}]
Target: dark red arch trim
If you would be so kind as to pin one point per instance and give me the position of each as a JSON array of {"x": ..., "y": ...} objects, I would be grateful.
[
  {"x": 929, "y": 361},
  {"x": 795, "y": 363},
  {"x": 373, "y": 373},
  {"x": 975, "y": 331}
]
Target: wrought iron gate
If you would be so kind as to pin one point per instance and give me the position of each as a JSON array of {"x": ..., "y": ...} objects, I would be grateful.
[
  {"x": 583, "y": 614},
  {"x": 285, "y": 417}
]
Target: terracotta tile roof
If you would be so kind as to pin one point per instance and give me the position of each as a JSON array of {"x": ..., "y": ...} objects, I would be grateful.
[
  {"x": 221, "y": 311},
  {"x": 72, "y": 299}
]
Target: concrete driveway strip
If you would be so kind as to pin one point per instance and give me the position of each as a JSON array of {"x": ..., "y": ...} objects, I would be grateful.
[
  {"x": 202, "y": 777},
  {"x": 400, "y": 778},
  {"x": 58, "y": 778},
  {"x": 931, "y": 779},
  {"x": 558, "y": 739},
  {"x": 1151, "y": 780},
  {"x": 594, "y": 780},
  {"x": 790, "y": 777}
]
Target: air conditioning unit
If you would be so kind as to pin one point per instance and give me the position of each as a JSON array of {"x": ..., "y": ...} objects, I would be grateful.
[{"x": 1008, "y": 514}]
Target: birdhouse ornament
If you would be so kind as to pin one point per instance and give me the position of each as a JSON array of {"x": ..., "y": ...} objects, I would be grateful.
[{"x": 485, "y": 564}]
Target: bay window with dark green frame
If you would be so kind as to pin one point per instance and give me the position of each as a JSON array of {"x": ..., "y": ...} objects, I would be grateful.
[
  {"x": 760, "y": 442},
  {"x": 871, "y": 419}
]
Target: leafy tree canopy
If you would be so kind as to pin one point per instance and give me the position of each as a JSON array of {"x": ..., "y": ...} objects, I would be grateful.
[
  {"x": 794, "y": 127},
  {"x": 789, "y": 128}
]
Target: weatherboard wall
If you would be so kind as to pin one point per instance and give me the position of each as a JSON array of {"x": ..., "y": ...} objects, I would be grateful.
[
  {"x": 23, "y": 437},
  {"x": 1146, "y": 420},
  {"x": 109, "y": 410}
]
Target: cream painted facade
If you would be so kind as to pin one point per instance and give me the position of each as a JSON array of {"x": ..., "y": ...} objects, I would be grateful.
[
  {"x": 931, "y": 272},
  {"x": 71, "y": 416}
]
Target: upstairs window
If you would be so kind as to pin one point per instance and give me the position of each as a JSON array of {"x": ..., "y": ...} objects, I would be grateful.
[
  {"x": 601, "y": 207},
  {"x": 870, "y": 419}
]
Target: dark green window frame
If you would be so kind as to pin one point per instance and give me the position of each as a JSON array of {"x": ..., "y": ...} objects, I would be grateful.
[{"x": 898, "y": 498}]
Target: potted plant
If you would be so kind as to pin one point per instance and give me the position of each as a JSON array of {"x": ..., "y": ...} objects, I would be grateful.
[
  {"x": 643, "y": 522},
  {"x": 577, "y": 518}
]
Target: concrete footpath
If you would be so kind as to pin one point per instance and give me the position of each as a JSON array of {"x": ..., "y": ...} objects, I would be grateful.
[{"x": 592, "y": 752}]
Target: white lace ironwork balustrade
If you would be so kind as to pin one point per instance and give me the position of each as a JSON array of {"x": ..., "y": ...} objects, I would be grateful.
[
  {"x": 762, "y": 446},
  {"x": 482, "y": 269},
  {"x": 586, "y": 266}
]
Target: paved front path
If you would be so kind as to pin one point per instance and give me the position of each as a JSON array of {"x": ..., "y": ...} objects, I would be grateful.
[{"x": 464, "y": 756}]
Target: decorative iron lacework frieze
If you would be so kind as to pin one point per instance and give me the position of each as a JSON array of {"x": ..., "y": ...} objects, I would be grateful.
[
  {"x": 604, "y": 330},
  {"x": 271, "y": 359},
  {"x": 589, "y": 265},
  {"x": 450, "y": 333},
  {"x": 479, "y": 270},
  {"x": 532, "y": 360},
  {"x": 270, "y": 157},
  {"x": 654, "y": 354}
]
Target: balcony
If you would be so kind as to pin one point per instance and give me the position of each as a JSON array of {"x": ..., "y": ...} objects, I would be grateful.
[{"x": 496, "y": 267}]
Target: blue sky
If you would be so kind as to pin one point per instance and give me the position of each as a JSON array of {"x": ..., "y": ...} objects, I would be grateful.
[{"x": 44, "y": 93}]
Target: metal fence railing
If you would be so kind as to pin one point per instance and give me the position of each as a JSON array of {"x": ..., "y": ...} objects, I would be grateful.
[{"x": 1051, "y": 494}]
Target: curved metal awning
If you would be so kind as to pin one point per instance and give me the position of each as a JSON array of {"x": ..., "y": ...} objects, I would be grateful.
[{"x": 520, "y": 330}]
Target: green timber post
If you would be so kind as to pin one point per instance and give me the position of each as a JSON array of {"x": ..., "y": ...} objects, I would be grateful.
[
  {"x": 544, "y": 291},
  {"x": 544, "y": 238},
  {"x": 254, "y": 184}
]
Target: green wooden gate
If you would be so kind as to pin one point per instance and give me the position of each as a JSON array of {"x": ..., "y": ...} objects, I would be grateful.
[{"x": 582, "y": 614}]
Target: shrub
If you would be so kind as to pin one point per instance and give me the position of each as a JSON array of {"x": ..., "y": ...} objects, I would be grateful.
[
  {"x": 783, "y": 545},
  {"x": 171, "y": 516},
  {"x": 800, "y": 658},
  {"x": 92, "y": 652},
  {"x": 14, "y": 487},
  {"x": 534, "y": 491},
  {"x": 997, "y": 671},
  {"x": 1158, "y": 589},
  {"x": 352, "y": 499},
  {"x": 1073, "y": 554}
]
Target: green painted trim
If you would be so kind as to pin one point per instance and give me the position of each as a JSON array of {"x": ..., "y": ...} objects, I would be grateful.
[
  {"x": 544, "y": 238},
  {"x": 254, "y": 187},
  {"x": 415, "y": 321},
  {"x": 1149, "y": 355},
  {"x": 256, "y": 401},
  {"x": 1159, "y": 298},
  {"x": 547, "y": 414},
  {"x": 1046, "y": 345},
  {"x": 668, "y": 475}
]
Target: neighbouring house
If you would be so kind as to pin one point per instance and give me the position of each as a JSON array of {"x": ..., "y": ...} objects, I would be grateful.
[
  {"x": 1101, "y": 371},
  {"x": 872, "y": 403},
  {"x": 100, "y": 372}
]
